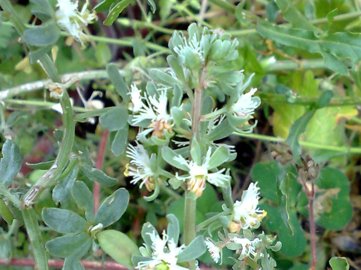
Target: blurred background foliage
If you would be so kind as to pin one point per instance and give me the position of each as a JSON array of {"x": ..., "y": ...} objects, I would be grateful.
[{"x": 298, "y": 50}]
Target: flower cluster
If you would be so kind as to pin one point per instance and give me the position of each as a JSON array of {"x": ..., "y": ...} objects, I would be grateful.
[
  {"x": 244, "y": 217},
  {"x": 140, "y": 166},
  {"x": 152, "y": 110},
  {"x": 72, "y": 20},
  {"x": 163, "y": 253},
  {"x": 199, "y": 174},
  {"x": 246, "y": 214}
]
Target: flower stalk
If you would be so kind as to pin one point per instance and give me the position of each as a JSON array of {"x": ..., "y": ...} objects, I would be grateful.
[{"x": 190, "y": 204}]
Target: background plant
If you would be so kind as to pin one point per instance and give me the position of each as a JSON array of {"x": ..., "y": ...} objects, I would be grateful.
[{"x": 305, "y": 59}]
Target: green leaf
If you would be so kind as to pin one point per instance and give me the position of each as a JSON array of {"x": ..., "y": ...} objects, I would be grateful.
[
  {"x": 219, "y": 157},
  {"x": 10, "y": 163},
  {"x": 173, "y": 228},
  {"x": 112, "y": 208},
  {"x": 169, "y": 156},
  {"x": 63, "y": 220},
  {"x": 325, "y": 128},
  {"x": 62, "y": 191},
  {"x": 118, "y": 81},
  {"x": 294, "y": 16},
  {"x": 44, "y": 35},
  {"x": 115, "y": 118},
  {"x": 120, "y": 141},
  {"x": 98, "y": 175},
  {"x": 116, "y": 10},
  {"x": 267, "y": 176},
  {"x": 298, "y": 127},
  {"x": 102, "y": 54},
  {"x": 41, "y": 9},
  {"x": 72, "y": 263},
  {"x": 5, "y": 212},
  {"x": 340, "y": 45},
  {"x": 339, "y": 263},
  {"x": 69, "y": 245},
  {"x": 118, "y": 246},
  {"x": 6, "y": 34},
  {"x": 147, "y": 230},
  {"x": 335, "y": 209},
  {"x": 5, "y": 246},
  {"x": 280, "y": 189},
  {"x": 195, "y": 249},
  {"x": 293, "y": 241},
  {"x": 165, "y": 7},
  {"x": 152, "y": 5},
  {"x": 162, "y": 77},
  {"x": 104, "y": 5},
  {"x": 83, "y": 197}
]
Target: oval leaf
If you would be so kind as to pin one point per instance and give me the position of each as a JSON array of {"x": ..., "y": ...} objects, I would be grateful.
[
  {"x": 118, "y": 246},
  {"x": 10, "y": 163},
  {"x": 113, "y": 207},
  {"x": 83, "y": 198},
  {"x": 70, "y": 245},
  {"x": 114, "y": 119},
  {"x": 44, "y": 35},
  {"x": 194, "y": 250},
  {"x": 63, "y": 221}
]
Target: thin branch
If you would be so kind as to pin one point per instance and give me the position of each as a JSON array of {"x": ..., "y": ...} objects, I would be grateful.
[
  {"x": 340, "y": 149},
  {"x": 33, "y": 86}
]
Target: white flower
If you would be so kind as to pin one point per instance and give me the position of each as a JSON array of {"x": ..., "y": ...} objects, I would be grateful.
[
  {"x": 164, "y": 252},
  {"x": 246, "y": 104},
  {"x": 73, "y": 21},
  {"x": 192, "y": 44},
  {"x": 199, "y": 174},
  {"x": 135, "y": 98},
  {"x": 248, "y": 246},
  {"x": 245, "y": 211},
  {"x": 153, "y": 109},
  {"x": 214, "y": 250},
  {"x": 140, "y": 165}
]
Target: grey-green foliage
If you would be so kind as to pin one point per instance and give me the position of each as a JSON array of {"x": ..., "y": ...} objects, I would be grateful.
[
  {"x": 10, "y": 163},
  {"x": 168, "y": 241},
  {"x": 80, "y": 230}
]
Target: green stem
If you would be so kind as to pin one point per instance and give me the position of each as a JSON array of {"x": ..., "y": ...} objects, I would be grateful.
[
  {"x": 291, "y": 65},
  {"x": 210, "y": 220},
  {"x": 340, "y": 149},
  {"x": 190, "y": 206},
  {"x": 14, "y": 18},
  {"x": 51, "y": 176},
  {"x": 33, "y": 230},
  {"x": 13, "y": 227},
  {"x": 145, "y": 24},
  {"x": 128, "y": 43}
]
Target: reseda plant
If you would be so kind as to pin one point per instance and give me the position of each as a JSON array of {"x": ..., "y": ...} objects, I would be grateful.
[{"x": 178, "y": 145}]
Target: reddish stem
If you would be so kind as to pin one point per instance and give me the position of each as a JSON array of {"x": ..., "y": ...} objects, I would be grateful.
[
  {"x": 312, "y": 227},
  {"x": 99, "y": 165},
  {"x": 60, "y": 263}
]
